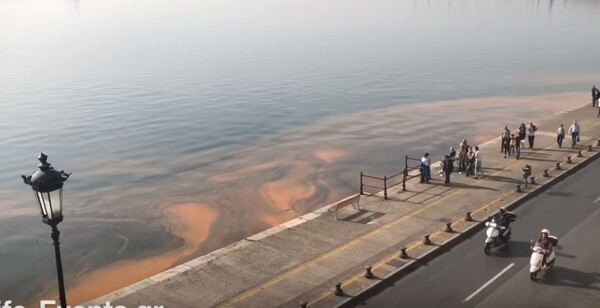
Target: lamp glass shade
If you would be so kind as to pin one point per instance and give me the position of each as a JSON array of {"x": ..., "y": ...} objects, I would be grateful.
[{"x": 50, "y": 203}]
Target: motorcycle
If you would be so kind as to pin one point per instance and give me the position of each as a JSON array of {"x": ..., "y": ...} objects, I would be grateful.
[
  {"x": 493, "y": 236},
  {"x": 537, "y": 257}
]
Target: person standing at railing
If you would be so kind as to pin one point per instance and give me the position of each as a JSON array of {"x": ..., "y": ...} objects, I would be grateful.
[
  {"x": 448, "y": 167},
  {"x": 478, "y": 163},
  {"x": 470, "y": 162},
  {"x": 425, "y": 168},
  {"x": 462, "y": 156}
]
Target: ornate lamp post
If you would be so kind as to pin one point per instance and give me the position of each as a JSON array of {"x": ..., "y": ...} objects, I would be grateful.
[{"x": 47, "y": 186}]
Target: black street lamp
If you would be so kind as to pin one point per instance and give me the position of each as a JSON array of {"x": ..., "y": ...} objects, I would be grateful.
[{"x": 47, "y": 186}]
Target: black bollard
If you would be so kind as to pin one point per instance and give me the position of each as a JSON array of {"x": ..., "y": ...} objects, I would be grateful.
[
  {"x": 368, "y": 272},
  {"x": 426, "y": 240},
  {"x": 403, "y": 254},
  {"x": 598, "y": 143},
  {"x": 303, "y": 305},
  {"x": 590, "y": 147},
  {"x": 533, "y": 180},
  {"x": 579, "y": 154},
  {"x": 546, "y": 173},
  {"x": 569, "y": 160},
  {"x": 558, "y": 166},
  {"x": 449, "y": 227},
  {"x": 338, "y": 289},
  {"x": 519, "y": 188},
  {"x": 468, "y": 217}
]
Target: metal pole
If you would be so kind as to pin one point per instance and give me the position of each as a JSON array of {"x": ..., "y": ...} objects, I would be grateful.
[
  {"x": 61, "y": 284},
  {"x": 385, "y": 187},
  {"x": 361, "y": 184}
]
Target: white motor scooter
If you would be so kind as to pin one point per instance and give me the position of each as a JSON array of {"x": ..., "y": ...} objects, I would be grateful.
[
  {"x": 493, "y": 236},
  {"x": 537, "y": 256}
]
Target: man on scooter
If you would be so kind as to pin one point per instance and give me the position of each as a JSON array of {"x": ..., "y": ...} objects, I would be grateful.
[
  {"x": 545, "y": 243},
  {"x": 503, "y": 219}
]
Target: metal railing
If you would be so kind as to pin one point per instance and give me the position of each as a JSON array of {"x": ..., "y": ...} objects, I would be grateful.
[{"x": 384, "y": 180}]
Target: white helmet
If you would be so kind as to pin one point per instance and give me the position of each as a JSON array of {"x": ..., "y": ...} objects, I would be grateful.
[{"x": 546, "y": 231}]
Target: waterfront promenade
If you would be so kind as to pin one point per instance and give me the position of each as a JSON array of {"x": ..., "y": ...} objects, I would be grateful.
[{"x": 303, "y": 259}]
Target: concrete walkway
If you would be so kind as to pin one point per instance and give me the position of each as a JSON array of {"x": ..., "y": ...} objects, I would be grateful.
[{"x": 303, "y": 259}]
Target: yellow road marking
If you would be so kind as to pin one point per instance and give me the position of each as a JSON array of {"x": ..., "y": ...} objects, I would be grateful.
[{"x": 304, "y": 266}]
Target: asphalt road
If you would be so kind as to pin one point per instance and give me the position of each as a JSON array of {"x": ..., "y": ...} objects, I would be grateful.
[{"x": 464, "y": 276}]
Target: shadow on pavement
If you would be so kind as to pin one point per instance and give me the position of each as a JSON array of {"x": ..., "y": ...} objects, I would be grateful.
[
  {"x": 567, "y": 277},
  {"x": 499, "y": 178},
  {"x": 559, "y": 194},
  {"x": 514, "y": 249},
  {"x": 467, "y": 186}
]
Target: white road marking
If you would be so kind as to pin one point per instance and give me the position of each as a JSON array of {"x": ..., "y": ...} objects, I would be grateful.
[
  {"x": 489, "y": 282},
  {"x": 597, "y": 200}
]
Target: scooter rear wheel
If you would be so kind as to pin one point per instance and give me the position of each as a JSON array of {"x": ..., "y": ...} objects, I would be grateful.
[{"x": 487, "y": 248}]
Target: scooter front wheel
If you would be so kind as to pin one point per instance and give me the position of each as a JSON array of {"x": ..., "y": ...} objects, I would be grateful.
[
  {"x": 487, "y": 248},
  {"x": 533, "y": 275}
]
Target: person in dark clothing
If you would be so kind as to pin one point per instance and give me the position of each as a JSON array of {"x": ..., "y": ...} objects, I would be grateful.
[
  {"x": 595, "y": 95},
  {"x": 506, "y": 146},
  {"x": 504, "y": 218},
  {"x": 470, "y": 162},
  {"x": 448, "y": 167}
]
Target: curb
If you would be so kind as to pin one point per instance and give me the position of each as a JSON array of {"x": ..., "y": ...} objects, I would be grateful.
[{"x": 468, "y": 232}]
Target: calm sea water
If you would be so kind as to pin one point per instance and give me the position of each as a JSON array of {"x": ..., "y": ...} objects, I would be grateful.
[{"x": 95, "y": 83}]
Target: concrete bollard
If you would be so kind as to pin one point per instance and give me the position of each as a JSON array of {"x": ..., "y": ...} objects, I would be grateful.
[
  {"x": 518, "y": 188},
  {"x": 558, "y": 166},
  {"x": 579, "y": 154},
  {"x": 468, "y": 217},
  {"x": 533, "y": 180},
  {"x": 403, "y": 254},
  {"x": 569, "y": 160},
  {"x": 449, "y": 227},
  {"x": 598, "y": 143},
  {"x": 303, "y": 305},
  {"x": 426, "y": 240},
  {"x": 590, "y": 147},
  {"x": 546, "y": 173},
  {"x": 338, "y": 289},
  {"x": 368, "y": 272}
]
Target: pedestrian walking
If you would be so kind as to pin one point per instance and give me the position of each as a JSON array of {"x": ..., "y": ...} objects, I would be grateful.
[
  {"x": 531, "y": 134},
  {"x": 595, "y": 96},
  {"x": 506, "y": 144},
  {"x": 513, "y": 144},
  {"x": 470, "y": 162},
  {"x": 574, "y": 131},
  {"x": 505, "y": 134},
  {"x": 425, "y": 168},
  {"x": 522, "y": 131},
  {"x": 478, "y": 163},
  {"x": 518, "y": 146},
  {"x": 560, "y": 135}
]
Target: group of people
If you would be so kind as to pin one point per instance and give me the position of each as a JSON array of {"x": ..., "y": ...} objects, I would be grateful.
[
  {"x": 511, "y": 144},
  {"x": 574, "y": 131},
  {"x": 470, "y": 160}
]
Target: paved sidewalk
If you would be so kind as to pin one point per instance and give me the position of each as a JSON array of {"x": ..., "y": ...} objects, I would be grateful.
[{"x": 304, "y": 258}]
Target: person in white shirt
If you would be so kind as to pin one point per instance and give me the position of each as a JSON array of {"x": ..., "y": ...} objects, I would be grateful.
[
  {"x": 478, "y": 163},
  {"x": 574, "y": 131},
  {"x": 425, "y": 168},
  {"x": 560, "y": 135}
]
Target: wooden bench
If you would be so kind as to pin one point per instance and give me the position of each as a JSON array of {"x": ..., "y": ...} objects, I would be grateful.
[{"x": 352, "y": 200}]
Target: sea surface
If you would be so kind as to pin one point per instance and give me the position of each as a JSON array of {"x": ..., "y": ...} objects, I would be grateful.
[{"x": 248, "y": 113}]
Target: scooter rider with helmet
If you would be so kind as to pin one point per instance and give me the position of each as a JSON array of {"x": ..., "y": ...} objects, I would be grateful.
[
  {"x": 545, "y": 243},
  {"x": 504, "y": 218}
]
